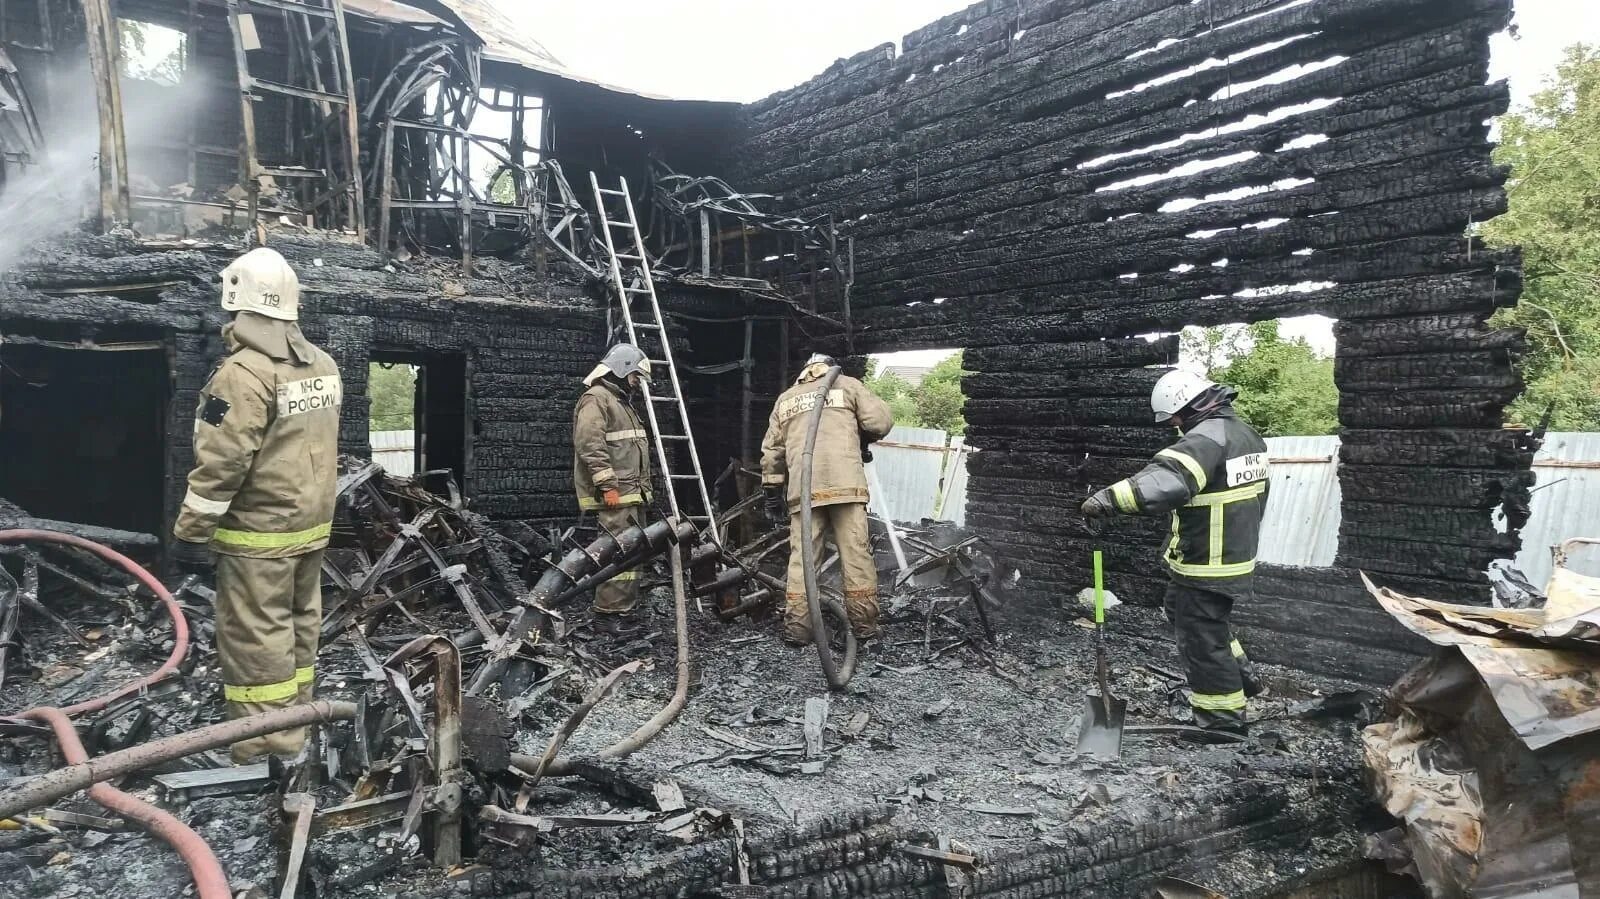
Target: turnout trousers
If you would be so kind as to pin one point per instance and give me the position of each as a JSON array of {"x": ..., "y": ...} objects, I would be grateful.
[
  {"x": 619, "y": 595},
  {"x": 847, "y": 523},
  {"x": 269, "y": 617},
  {"x": 1220, "y": 674}
]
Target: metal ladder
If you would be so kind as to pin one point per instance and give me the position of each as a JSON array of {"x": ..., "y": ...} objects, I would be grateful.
[{"x": 644, "y": 286}]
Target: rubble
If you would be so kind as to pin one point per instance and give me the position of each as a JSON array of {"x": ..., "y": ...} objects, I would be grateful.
[
  {"x": 1040, "y": 183},
  {"x": 1491, "y": 760}
]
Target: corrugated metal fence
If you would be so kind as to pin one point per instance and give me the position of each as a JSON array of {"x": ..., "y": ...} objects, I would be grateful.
[
  {"x": 1566, "y": 504},
  {"x": 923, "y": 473},
  {"x": 395, "y": 451},
  {"x": 1302, "y": 526},
  {"x": 1302, "y": 522}
]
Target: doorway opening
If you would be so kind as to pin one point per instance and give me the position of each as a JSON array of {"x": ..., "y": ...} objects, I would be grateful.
[
  {"x": 83, "y": 430},
  {"x": 419, "y": 420}
]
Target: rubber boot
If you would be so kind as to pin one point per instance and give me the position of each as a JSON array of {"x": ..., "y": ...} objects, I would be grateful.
[{"x": 1217, "y": 727}]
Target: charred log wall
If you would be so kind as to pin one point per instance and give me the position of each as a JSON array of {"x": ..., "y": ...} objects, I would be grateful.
[
  {"x": 1063, "y": 175},
  {"x": 524, "y": 353}
]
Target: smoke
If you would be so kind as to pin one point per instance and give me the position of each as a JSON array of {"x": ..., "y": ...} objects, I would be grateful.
[{"x": 41, "y": 202}]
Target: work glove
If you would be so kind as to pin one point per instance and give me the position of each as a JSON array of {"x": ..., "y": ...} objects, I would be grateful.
[
  {"x": 193, "y": 558},
  {"x": 611, "y": 498},
  {"x": 1100, "y": 505},
  {"x": 866, "y": 449},
  {"x": 777, "y": 506}
]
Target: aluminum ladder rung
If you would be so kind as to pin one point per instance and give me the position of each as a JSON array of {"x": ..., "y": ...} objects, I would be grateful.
[
  {"x": 643, "y": 326},
  {"x": 608, "y": 191},
  {"x": 620, "y": 225},
  {"x": 629, "y": 256},
  {"x": 674, "y": 436}
]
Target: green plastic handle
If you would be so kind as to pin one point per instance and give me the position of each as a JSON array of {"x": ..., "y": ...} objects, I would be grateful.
[{"x": 1099, "y": 589}]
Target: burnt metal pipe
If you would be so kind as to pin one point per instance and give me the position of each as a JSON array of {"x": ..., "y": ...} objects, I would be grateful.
[
  {"x": 180, "y": 625},
  {"x": 837, "y": 674},
  {"x": 84, "y": 772},
  {"x": 658, "y": 537},
  {"x": 632, "y": 546}
]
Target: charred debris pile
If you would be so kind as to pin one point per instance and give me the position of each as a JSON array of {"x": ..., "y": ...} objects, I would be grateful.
[{"x": 476, "y": 734}]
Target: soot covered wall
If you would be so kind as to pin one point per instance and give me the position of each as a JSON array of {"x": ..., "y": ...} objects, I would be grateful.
[{"x": 1063, "y": 176}]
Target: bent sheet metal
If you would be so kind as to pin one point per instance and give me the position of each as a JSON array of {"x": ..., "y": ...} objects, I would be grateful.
[{"x": 1493, "y": 763}]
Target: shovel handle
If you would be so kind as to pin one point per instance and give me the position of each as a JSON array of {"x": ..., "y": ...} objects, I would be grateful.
[{"x": 1099, "y": 589}]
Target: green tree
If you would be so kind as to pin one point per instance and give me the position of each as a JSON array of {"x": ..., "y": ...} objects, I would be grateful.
[
  {"x": 939, "y": 398},
  {"x": 1285, "y": 388},
  {"x": 1553, "y": 148},
  {"x": 898, "y": 393},
  {"x": 392, "y": 389}
]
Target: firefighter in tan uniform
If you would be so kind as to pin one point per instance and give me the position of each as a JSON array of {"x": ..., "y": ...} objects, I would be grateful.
[
  {"x": 852, "y": 418},
  {"x": 261, "y": 495},
  {"x": 611, "y": 461}
]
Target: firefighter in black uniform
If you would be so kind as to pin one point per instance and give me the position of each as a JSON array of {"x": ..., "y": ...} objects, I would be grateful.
[{"x": 1214, "y": 483}]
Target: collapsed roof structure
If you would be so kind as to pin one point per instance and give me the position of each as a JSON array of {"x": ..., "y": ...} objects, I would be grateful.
[{"x": 1041, "y": 182}]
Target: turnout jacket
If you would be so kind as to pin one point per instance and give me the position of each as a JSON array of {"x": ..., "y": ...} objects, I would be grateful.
[
  {"x": 1214, "y": 483},
  {"x": 266, "y": 446},
  {"x": 849, "y": 412},
  {"x": 610, "y": 448}
]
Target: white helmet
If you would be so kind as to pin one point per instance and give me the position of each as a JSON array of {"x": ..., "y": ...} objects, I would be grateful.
[
  {"x": 262, "y": 282},
  {"x": 1176, "y": 390}
]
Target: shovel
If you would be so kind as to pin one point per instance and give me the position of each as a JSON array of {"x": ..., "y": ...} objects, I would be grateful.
[{"x": 1100, "y": 728}]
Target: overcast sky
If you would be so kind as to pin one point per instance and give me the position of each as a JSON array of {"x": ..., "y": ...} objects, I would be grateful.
[{"x": 747, "y": 49}]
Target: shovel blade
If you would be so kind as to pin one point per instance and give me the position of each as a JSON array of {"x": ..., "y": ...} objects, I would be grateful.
[{"x": 1100, "y": 726}]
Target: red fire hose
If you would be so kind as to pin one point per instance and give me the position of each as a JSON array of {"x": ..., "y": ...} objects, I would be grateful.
[
  {"x": 180, "y": 626},
  {"x": 209, "y": 880}
]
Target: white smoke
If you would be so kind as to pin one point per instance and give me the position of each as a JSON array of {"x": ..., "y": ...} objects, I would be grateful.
[{"x": 60, "y": 191}]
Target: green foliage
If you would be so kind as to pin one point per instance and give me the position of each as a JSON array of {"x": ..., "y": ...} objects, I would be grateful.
[
  {"x": 1553, "y": 147},
  {"x": 899, "y": 394},
  {"x": 939, "y": 397},
  {"x": 392, "y": 389},
  {"x": 1285, "y": 388},
  {"x": 935, "y": 403}
]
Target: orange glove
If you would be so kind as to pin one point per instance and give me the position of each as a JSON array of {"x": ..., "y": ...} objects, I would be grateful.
[{"x": 611, "y": 498}]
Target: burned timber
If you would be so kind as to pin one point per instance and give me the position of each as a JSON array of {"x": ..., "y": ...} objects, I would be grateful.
[{"x": 1041, "y": 182}]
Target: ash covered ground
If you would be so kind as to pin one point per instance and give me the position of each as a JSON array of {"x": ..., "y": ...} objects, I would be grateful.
[{"x": 940, "y": 734}]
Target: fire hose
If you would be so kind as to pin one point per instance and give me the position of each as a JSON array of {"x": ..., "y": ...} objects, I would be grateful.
[
  {"x": 680, "y": 695},
  {"x": 837, "y": 674},
  {"x": 180, "y": 626},
  {"x": 209, "y": 880}
]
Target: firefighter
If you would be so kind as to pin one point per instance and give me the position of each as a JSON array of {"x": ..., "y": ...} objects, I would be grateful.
[
  {"x": 1213, "y": 481},
  {"x": 611, "y": 463},
  {"x": 261, "y": 495},
  {"x": 852, "y": 419}
]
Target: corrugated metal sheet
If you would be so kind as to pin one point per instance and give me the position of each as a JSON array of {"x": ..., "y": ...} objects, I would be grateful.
[
  {"x": 395, "y": 451},
  {"x": 908, "y": 463},
  {"x": 1566, "y": 504},
  {"x": 1302, "y": 522}
]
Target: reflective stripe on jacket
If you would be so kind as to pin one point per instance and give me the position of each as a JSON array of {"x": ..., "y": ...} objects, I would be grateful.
[
  {"x": 850, "y": 411},
  {"x": 1214, "y": 483},
  {"x": 266, "y": 445},
  {"x": 610, "y": 449}
]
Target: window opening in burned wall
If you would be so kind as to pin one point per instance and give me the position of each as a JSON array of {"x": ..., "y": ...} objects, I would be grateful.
[{"x": 419, "y": 419}]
